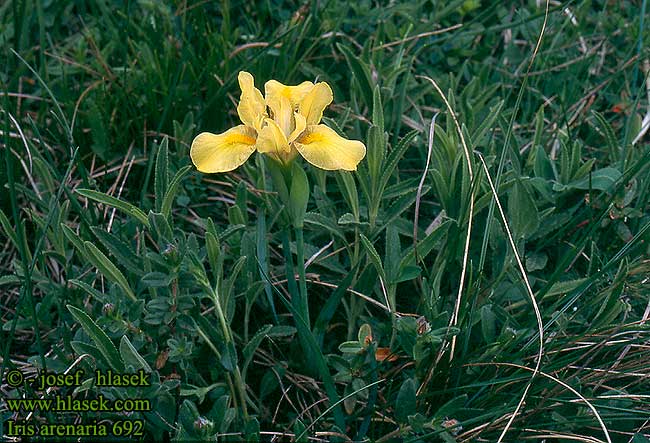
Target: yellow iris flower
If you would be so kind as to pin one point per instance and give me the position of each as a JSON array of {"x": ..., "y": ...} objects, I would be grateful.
[{"x": 281, "y": 124}]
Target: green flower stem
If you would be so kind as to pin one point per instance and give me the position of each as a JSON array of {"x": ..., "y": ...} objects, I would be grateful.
[
  {"x": 241, "y": 389},
  {"x": 298, "y": 296},
  {"x": 303, "y": 303},
  {"x": 227, "y": 334},
  {"x": 288, "y": 264}
]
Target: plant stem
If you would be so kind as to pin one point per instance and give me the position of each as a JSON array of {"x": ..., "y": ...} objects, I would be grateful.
[
  {"x": 288, "y": 264},
  {"x": 227, "y": 334},
  {"x": 299, "y": 302},
  {"x": 300, "y": 263}
]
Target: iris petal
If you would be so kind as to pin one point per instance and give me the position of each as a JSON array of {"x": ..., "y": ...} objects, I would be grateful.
[
  {"x": 282, "y": 113},
  {"x": 274, "y": 89},
  {"x": 251, "y": 108},
  {"x": 301, "y": 125},
  {"x": 222, "y": 152},
  {"x": 272, "y": 142},
  {"x": 324, "y": 148},
  {"x": 315, "y": 102}
]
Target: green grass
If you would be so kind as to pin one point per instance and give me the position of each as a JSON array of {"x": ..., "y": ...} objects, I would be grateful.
[{"x": 116, "y": 253}]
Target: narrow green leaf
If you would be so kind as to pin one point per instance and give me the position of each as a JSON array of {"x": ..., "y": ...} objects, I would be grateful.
[
  {"x": 161, "y": 173},
  {"x": 262, "y": 247},
  {"x": 264, "y": 332},
  {"x": 393, "y": 253},
  {"x": 279, "y": 184},
  {"x": 543, "y": 167},
  {"x": 376, "y": 153},
  {"x": 214, "y": 253},
  {"x": 230, "y": 230},
  {"x": 106, "y": 199},
  {"x": 400, "y": 205},
  {"x": 348, "y": 219},
  {"x": 161, "y": 227},
  {"x": 9, "y": 280},
  {"x": 326, "y": 223},
  {"x": 351, "y": 347},
  {"x": 408, "y": 273},
  {"x": 241, "y": 200},
  {"x": 522, "y": 211},
  {"x": 562, "y": 287},
  {"x": 361, "y": 73},
  {"x": 394, "y": 157},
  {"x": 168, "y": 200},
  {"x": 99, "y": 337},
  {"x": 350, "y": 193},
  {"x": 230, "y": 281},
  {"x": 76, "y": 241},
  {"x": 373, "y": 256},
  {"x": 601, "y": 180},
  {"x": 210, "y": 333},
  {"x": 452, "y": 407},
  {"x": 328, "y": 310},
  {"x": 131, "y": 356},
  {"x": 539, "y": 127},
  {"x": 187, "y": 416},
  {"x": 488, "y": 323},
  {"x": 565, "y": 168},
  {"x": 426, "y": 245},
  {"x": 81, "y": 348},
  {"x": 405, "y": 404},
  {"x": 108, "y": 269},
  {"x": 119, "y": 250},
  {"x": 157, "y": 279},
  {"x": 229, "y": 357},
  {"x": 252, "y": 345},
  {"x": 6, "y": 226},
  {"x": 487, "y": 124},
  {"x": 89, "y": 290},
  {"x": 377, "y": 110},
  {"x": 235, "y": 215}
]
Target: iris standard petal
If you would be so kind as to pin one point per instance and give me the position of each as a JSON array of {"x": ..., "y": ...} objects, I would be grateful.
[
  {"x": 272, "y": 142},
  {"x": 324, "y": 148},
  {"x": 222, "y": 152},
  {"x": 282, "y": 113},
  {"x": 251, "y": 107},
  {"x": 295, "y": 94},
  {"x": 315, "y": 102},
  {"x": 301, "y": 125}
]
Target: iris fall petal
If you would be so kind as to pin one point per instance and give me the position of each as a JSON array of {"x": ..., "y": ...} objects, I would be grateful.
[
  {"x": 222, "y": 152},
  {"x": 324, "y": 148}
]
